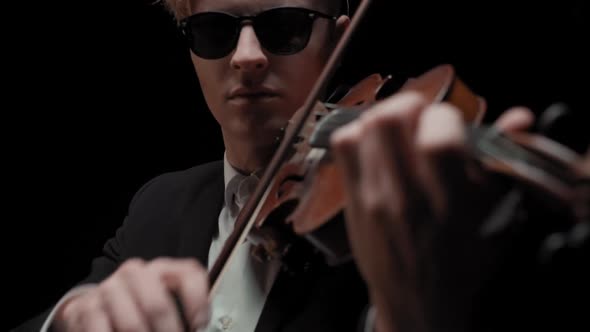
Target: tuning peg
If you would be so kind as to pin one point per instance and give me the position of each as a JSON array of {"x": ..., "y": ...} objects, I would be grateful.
[
  {"x": 579, "y": 236},
  {"x": 551, "y": 117},
  {"x": 560, "y": 123},
  {"x": 553, "y": 245},
  {"x": 560, "y": 246}
]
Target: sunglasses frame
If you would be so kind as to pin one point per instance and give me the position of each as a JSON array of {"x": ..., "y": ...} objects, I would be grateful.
[{"x": 249, "y": 20}]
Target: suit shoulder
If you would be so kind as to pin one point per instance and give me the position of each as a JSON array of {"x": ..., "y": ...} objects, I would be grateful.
[
  {"x": 203, "y": 173},
  {"x": 184, "y": 181}
]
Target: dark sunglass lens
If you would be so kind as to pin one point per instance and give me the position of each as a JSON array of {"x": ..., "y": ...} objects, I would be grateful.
[
  {"x": 284, "y": 30},
  {"x": 212, "y": 35}
]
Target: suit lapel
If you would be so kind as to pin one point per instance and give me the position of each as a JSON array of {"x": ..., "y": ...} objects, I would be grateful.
[
  {"x": 292, "y": 289},
  {"x": 311, "y": 300},
  {"x": 285, "y": 300},
  {"x": 200, "y": 215}
]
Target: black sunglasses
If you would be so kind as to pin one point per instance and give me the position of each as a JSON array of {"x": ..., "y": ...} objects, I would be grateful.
[{"x": 281, "y": 31}]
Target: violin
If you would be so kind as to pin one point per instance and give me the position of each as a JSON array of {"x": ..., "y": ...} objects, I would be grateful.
[{"x": 300, "y": 196}]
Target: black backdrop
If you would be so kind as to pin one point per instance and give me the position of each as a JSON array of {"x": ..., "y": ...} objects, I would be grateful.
[{"x": 101, "y": 96}]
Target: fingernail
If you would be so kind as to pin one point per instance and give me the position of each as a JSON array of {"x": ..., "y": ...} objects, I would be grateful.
[{"x": 202, "y": 318}]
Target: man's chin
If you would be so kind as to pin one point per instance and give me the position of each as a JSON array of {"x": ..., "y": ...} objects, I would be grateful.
[
  {"x": 262, "y": 134},
  {"x": 259, "y": 124}
]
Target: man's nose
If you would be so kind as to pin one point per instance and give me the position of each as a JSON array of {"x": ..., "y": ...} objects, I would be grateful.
[{"x": 249, "y": 55}]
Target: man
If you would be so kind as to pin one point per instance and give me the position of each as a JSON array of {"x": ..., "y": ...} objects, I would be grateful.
[{"x": 254, "y": 77}]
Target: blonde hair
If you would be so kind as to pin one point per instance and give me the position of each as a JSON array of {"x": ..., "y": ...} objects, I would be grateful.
[
  {"x": 178, "y": 8},
  {"x": 182, "y": 8}
]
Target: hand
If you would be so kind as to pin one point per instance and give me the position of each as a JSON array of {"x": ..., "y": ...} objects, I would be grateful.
[
  {"x": 413, "y": 208},
  {"x": 137, "y": 297}
]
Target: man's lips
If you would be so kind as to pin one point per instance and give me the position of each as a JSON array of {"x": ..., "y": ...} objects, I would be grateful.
[{"x": 252, "y": 93}]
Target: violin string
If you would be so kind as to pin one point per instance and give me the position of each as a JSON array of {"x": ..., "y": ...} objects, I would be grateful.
[{"x": 495, "y": 144}]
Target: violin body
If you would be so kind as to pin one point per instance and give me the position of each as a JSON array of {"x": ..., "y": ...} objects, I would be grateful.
[{"x": 308, "y": 194}]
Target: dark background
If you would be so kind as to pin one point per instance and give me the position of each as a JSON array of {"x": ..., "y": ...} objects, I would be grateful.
[{"x": 100, "y": 96}]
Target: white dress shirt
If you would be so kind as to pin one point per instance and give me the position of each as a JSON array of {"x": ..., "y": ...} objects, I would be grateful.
[{"x": 241, "y": 295}]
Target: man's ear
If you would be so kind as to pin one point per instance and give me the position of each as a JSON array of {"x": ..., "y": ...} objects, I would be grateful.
[{"x": 342, "y": 24}]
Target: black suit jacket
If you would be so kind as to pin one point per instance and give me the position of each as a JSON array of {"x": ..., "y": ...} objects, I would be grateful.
[{"x": 176, "y": 214}]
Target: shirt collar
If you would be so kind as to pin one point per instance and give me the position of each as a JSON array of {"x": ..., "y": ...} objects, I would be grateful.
[
  {"x": 238, "y": 187},
  {"x": 228, "y": 171}
]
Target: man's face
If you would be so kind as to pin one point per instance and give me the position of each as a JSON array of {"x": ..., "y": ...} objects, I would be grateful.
[{"x": 251, "y": 92}]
